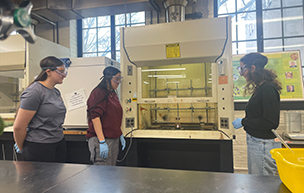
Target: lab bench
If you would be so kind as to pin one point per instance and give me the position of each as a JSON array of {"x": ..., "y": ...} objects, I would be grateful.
[
  {"x": 185, "y": 154},
  {"x": 20, "y": 176},
  {"x": 293, "y": 143}
]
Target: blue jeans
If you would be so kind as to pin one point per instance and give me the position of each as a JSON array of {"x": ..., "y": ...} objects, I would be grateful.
[{"x": 259, "y": 157}]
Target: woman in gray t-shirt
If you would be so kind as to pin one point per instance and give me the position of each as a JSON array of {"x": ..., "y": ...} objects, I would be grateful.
[{"x": 38, "y": 131}]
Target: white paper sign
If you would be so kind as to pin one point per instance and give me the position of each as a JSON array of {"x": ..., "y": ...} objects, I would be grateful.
[{"x": 76, "y": 99}]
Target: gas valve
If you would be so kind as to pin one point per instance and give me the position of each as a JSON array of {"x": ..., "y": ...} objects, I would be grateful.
[
  {"x": 128, "y": 100},
  {"x": 129, "y": 109}
]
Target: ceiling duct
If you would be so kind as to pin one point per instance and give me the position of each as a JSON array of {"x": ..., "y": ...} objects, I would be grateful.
[
  {"x": 52, "y": 10},
  {"x": 62, "y": 10},
  {"x": 175, "y": 10},
  {"x": 91, "y": 8}
]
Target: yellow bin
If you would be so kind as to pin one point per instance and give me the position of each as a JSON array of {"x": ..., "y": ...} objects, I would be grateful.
[{"x": 290, "y": 167}]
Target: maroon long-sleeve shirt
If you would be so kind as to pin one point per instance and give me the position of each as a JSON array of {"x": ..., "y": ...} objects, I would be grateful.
[{"x": 109, "y": 111}]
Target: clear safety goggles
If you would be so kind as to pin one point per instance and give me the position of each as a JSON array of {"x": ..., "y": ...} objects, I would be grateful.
[
  {"x": 117, "y": 79},
  {"x": 242, "y": 69},
  {"x": 62, "y": 70}
]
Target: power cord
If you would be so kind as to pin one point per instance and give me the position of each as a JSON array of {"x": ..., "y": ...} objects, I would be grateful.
[
  {"x": 224, "y": 133},
  {"x": 3, "y": 152},
  {"x": 124, "y": 47},
  {"x": 15, "y": 157},
  {"x": 224, "y": 47},
  {"x": 130, "y": 132},
  {"x": 129, "y": 144},
  {"x": 132, "y": 138}
]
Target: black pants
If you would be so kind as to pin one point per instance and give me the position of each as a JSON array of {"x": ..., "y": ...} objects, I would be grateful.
[{"x": 44, "y": 152}]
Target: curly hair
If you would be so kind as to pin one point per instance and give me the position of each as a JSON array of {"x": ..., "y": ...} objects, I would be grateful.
[{"x": 260, "y": 75}]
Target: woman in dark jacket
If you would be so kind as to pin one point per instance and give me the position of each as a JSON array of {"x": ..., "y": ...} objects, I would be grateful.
[{"x": 262, "y": 113}]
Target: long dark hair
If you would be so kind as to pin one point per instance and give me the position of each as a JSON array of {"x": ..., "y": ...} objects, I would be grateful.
[
  {"x": 108, "y": 73},
  {"x": 260, "y": 75},
  {"x": 50, "y": 62},
  {"x": 105, "y": 83}
]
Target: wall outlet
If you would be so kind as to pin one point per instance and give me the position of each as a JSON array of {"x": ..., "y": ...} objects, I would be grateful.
[
  {"x": 130, "y": 122},
  {"x": 130, "y": 70},
  {"x": 224, "y": 123}
]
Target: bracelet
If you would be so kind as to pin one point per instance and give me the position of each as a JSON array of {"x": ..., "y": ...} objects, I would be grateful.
[{"x": 102, "y": 142}]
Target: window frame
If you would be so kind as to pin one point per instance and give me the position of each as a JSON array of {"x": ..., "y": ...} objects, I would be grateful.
[
  {"x": 112, "y": 26},
  {"x": 259, "y": 24}
]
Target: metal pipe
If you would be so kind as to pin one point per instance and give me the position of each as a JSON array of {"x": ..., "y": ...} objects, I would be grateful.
[
  {"x": 165, "y": 89},
  {"x": 57, "y": 33},
  {"x": 175, "y": 10},
  {"x": 169, "y": 109},
  {"x": 125, "y": 13},
  {"x": 43, "y": 18},
  {"x": 54, "y": 33},
  {"x": 191, "y": 92}
]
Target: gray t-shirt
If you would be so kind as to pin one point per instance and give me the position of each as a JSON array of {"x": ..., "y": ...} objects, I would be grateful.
[{"x": 46, "y": 125}]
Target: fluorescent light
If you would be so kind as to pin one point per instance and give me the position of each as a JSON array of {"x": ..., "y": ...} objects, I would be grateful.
[
  {"x": 167, "y": 76},
  {"x": 146, "y": 82},
  {"x": 166, "y": 69}
]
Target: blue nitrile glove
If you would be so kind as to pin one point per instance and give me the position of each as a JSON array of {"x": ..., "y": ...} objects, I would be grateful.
[
  {"x": 122, "y": 141},
  {"x": 104, "y": 149},
  {"x": 17, "y": 148},
  {"x": 237, "y": 123}
]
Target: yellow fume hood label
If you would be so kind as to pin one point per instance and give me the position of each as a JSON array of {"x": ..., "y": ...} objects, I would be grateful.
[{"x": 173, "y": 50}]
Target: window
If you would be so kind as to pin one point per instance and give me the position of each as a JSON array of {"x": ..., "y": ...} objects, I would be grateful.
[
  {"x": 244, "y": 27},
  {"x": 264, "y": 25},
  {"x": 98, "y": 37},
  {"x": 133, "y": 19}
]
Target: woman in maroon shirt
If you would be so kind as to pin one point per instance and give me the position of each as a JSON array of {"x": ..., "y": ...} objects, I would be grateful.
[{"x": 104, "y": 119}]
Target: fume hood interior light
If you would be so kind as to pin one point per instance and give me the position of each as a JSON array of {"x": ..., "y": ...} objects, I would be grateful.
[
  {"x": 165, "y": 69},
  {"x": 166, "y": 76},
  {"x": 176, "y": 82}
]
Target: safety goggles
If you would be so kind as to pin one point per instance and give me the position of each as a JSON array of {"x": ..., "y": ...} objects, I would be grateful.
[
  {"x": 62, "y": 70},
  {"x": 117, "y": 79},
  {"x": 242, "y": 69}
]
